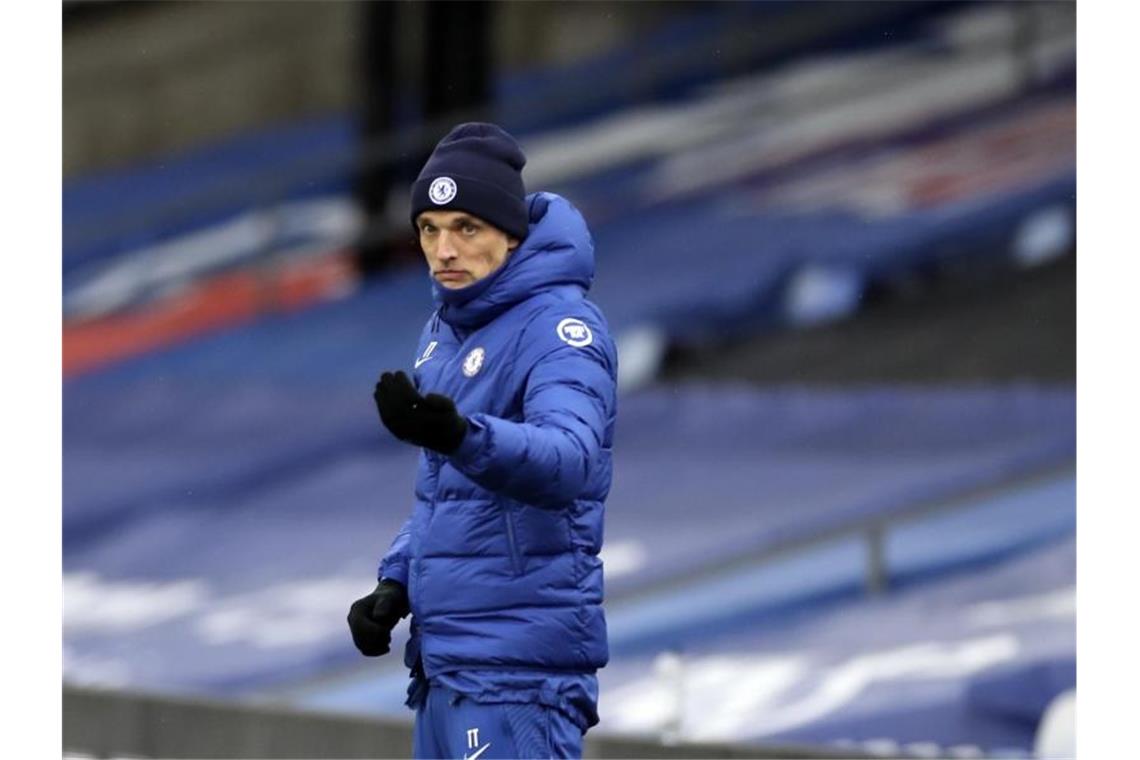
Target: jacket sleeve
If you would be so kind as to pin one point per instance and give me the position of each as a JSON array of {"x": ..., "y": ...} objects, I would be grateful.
[
  {"x": 394, "y": 565},
  {"x": 569, "y": 402}
]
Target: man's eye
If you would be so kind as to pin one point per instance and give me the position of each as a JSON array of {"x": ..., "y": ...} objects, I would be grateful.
[{"x": 470, "y": 229}]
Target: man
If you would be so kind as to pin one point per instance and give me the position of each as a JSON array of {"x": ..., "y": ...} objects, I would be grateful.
[{"x": 512, "y": 400}]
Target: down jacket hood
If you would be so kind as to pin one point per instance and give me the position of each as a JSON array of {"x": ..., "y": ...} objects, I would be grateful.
[{"x": 558, "y": 252}]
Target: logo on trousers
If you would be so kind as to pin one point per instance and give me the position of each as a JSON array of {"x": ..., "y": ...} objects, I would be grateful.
[{"x": 473, "y": 742}]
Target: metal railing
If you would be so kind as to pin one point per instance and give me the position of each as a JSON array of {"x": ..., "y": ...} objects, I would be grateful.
[{"x": 872, "y": 532}]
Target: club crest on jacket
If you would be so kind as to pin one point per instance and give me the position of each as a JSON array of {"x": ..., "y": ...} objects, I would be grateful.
[{"x": 474, "y": 362}]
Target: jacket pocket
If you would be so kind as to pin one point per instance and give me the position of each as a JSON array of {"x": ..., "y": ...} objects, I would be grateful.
[{"x": 512, "y": 541}]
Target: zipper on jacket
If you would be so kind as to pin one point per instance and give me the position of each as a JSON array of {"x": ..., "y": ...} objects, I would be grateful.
[
  {"x": 431, "y": 515},
  {"x": 512, "y": 546}
]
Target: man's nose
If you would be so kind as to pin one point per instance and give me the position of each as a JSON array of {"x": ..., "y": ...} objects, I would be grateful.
[{"x": 445, "y": 249}]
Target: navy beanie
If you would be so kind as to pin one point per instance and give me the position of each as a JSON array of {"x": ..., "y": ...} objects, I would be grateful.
[{"x": 476, "y": 168}]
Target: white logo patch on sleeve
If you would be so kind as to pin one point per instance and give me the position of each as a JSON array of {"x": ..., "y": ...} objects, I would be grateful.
[
  {"x": 575, "y": 332},
  {"x": 442, "y": 190}
]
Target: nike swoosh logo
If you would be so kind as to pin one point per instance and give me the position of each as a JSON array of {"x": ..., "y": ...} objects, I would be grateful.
[
  {"x": 480, "y": 752},
  {"x": 427, "y": 354}
]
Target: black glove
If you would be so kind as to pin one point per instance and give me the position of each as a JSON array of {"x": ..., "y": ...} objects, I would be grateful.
[
  {"x": 372, "y": 618},
  {"x": 431, "y": 421}
]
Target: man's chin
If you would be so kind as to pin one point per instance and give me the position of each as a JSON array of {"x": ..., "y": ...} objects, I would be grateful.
[{"x": 452, "y": 284}]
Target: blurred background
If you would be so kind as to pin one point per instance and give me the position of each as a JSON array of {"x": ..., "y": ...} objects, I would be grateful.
[{"x": 836, "y": 245}]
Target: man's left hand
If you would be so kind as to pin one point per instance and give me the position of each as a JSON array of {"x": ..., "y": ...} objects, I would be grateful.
[{"x": 430, "y": 421}]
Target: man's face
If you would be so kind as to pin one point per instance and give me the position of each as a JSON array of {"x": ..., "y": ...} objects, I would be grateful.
[{"x": 460, "y": 248}]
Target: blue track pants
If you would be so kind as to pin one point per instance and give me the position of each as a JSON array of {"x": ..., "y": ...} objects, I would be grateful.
[{"x": 451, "y": 725}]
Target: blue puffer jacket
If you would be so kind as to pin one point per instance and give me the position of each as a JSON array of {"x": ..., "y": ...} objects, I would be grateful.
[{"x": 500, "y": 554}]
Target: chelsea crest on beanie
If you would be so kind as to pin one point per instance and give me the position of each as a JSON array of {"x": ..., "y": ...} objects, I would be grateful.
[{"x": 476, "y": 168}]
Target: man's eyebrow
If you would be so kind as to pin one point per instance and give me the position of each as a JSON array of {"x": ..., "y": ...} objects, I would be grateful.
[{"x": 461, "y": 219}]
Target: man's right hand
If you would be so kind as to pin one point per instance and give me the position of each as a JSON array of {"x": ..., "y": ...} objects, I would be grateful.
[
  {"x": 372, "y": 618},
  {"x": 430, "y": 421}
]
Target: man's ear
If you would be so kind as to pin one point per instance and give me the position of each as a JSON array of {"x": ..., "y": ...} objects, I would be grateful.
[{"x": 512, "y": 243}]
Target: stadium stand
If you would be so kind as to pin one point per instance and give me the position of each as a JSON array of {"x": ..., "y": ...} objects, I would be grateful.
[{"x": 803, "y": 240}]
